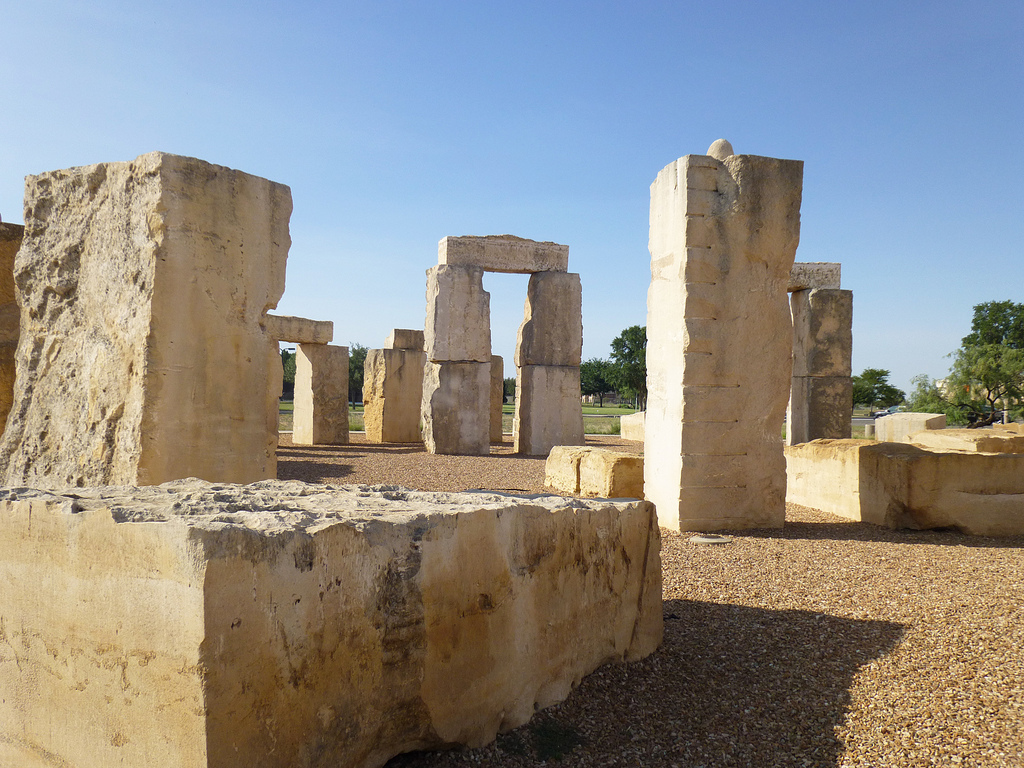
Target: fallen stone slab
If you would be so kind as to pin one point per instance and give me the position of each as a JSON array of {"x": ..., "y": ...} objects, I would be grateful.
[
  {"x": 898, "y": 427},
  {"x": 631, "y": 426},
  {"x": 972, "y": 440},
  {"x": 585, "y": 471},
  {"x": 282, "y": 624},
  {"x": 899, "y": 485}
]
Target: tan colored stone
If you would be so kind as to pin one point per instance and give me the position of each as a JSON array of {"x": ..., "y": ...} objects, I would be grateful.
[
  {"x": 358, "y": 624},
  {"x": 404, "y": 338},
  {"x": 10, "y": 316},
  {"x": 1012, "y": 427},
  {"x": 723, "y": 239},
  {"x": 552, "y": 329},
  {"x": 611, "y": 474},
  {"x": 456, "y": 408},
  {"x": 299, "y": 330},
  {"x": 819, "y": 407},
  {"x": 562, "y": 468},
  {"x": 822, "y": 332},
  {"x": 971, "y": 440},
  {"x": 548, "y": 410},
  {"x": 904, "y": 486},
  {"x": 497, "y": 397},
  {"x": 321, "y": 395},
  {"x": 806, "y": 275},
  {"x": 898, "y": 427},
  {"x": 720, "y": 149},
  {"x": 142, "y": 356},
  {"x": 631, "y": 426},
  {"x": 503, "y": 253},
  {"x": 392, "y": 395},
  {"x": 458, "y": 327}
]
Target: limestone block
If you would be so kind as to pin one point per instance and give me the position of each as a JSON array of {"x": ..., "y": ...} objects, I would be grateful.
[
  {"x": 904, "y": 486},
  {"x": 814, "y": 274},
  {"x": 611, "y": 474},
  {"x": 458, "y": 327},
  {"x": 1015, "y": 427},
  {"x": 822, "y": 332},
  {"x": 898, "y": 427},
  {"x": 819, "y": 407},
  {"x": 142, "y": 358},
  {"x": 631, "y": 426},
  {"x": 10, "y": 317},
  {"x": 404, "y": 338},
  {"x": 549, "y": 408},
  {"x": 503, "y": 253},
  {"x": 392, "y": 394},
  {"x": 552, "y": 328},
  {"x": 497, "y": 397},
  {"x": 299, "y": 330},
  {"x": 971, "y": 440},
  {"x": 321, "y": 395},
  {"x": 723, "y": 239},
  {"x": 279, "y": 624},
  {"x": 455, "y": 410},
  {"x": 562, "y": 468}
]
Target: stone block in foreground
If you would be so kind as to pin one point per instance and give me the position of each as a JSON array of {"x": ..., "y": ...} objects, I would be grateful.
[
  {"x": 600, "y": 472},
  {"x": 899, "y": 485},
  {"x": 283, "y": 625}
]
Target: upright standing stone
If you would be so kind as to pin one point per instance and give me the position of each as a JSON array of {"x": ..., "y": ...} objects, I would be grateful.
[
  {"x": 392, "y": 393},
  {"x": 724, "y": 232},
  {"x": 10, "y": 318},
  {"x": 142, "y": 357},
  {"x": 458, "y": 327},
  {"x": 497, "y": 397},
  {"x": 821, "y": 396},
  {"x": 456, "y": 408},
  {"x": 321, "y": 395}
]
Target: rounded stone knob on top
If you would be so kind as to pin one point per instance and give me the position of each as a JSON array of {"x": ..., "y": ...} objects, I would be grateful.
[{"x": 720, "y": 149}]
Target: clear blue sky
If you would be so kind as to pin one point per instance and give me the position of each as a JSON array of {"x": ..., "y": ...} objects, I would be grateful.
[{"x": 398, "y": 123}]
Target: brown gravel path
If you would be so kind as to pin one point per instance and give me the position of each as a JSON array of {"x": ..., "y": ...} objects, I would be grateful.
[{"x": 828, "y": 643}]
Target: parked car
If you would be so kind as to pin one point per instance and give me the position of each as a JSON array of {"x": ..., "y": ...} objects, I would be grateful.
[{"x": 888, "y": 411}]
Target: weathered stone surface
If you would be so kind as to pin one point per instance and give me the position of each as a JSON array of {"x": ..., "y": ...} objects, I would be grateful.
[
  {"x": 458, "y": 327},
  {"x": 631, "y": 426},
  {"x": 814, "y": 274},
  {"x": 552, "y": 329},
  {"x": 404, "y": 338},
  {"x": 10, "y": 317},
  {"x": 898, "y": 427},
  {"x": 548, "y": 410},
  {"x": 456, "y": 408},
  {"x": 152, "y": 625},
  {"x": 819, "y": 407},
  {"x": 612, "y": 474},
  {"x": 392, "y": 395},
  {"x": 723, "y": 239},
  {"x": 822, "y": 332},
  {"x": 142, "y": 358},
  {"x": 497, "y": 397},
  {"x": 503, "y": 253},
  {"x": 299, "y": 330},
  {"x": 321, "y": 395},
  {"x": 562, "y": 468},
  {"x": 904, "y": 486},
  {"x": 970, "y": 440}
]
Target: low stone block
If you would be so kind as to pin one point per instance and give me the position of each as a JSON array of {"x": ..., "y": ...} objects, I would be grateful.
[
  {"x": 549, "y": 409},
  {"x": 392, "y": 395},
  {"x": 562, "y": 468},
  {"x": 458, "y": 327},
  {"x": 404, "y": 338},
  {"x": 970, "y": 440},
  {"x": 299, "y": 330},
  {"x": 814, "y": 274},
  {"x": 321, "y": 395},
  {"x": 503, "y": 253},
  {"x": 611, "y": 474},
  {"x": 898, "y": 427},
  {"x": 10, "y": 316},
  {"x": 899, "y": 485},
  {"x": 631, "y": 426},
  {"x": 456, "y": 408},
  {"x": 552, "y": 329},
  {"x": 819, "y": 407},
  {"x": 280, "y": 625},
  {"x": 497, "y": 397}
]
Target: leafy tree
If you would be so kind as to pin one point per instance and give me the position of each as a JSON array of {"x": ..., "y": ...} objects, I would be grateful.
[
  {"x": 508, "y": 388},
  {"x": 997, "y": 322},
  {"x": 288, "y": 363},
  {"x": 356, "y": 358},
  {"x": 872, "y": 388},
  {"x": 594, "y": 378},
  {"x": 629, "y": 364},
  {"x": 927, "y": 396}
]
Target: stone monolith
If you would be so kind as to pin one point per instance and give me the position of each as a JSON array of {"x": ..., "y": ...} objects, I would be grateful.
[
  {"x": 10, "y": 317},
  {"x": 392, "y": 394},
  {"x": 321, "y": 395},
  {"x": 497, "y": 397}
]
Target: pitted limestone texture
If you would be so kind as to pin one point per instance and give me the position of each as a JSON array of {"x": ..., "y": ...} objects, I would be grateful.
[
  {"x": 10, "y": 317},
  {"x": 321, "y": 395},
  {"x": 503, "y": 253},
  {"x": 392, "y": 394}
]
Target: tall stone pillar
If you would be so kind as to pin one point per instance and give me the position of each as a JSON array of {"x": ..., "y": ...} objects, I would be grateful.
[
  {"x": 321, "y": 395},
  {"x": 10, "y": 317},
  {"x": 497, "y": 397},
  {"x": 393, "y": 389},
  {"x": 724, "y": 232},
  {"x": 549, "y": 346},
  {"x": 821, "y": 396},
  {"x": 455, "y": 408}
]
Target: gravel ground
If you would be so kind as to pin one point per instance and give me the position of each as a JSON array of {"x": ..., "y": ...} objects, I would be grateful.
[{"x": 828, "y": 643}]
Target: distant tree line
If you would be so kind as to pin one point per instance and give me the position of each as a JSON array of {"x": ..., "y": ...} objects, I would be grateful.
[{"x": 624, "y": 373}]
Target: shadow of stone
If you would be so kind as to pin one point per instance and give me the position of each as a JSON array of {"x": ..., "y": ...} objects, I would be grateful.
[
  {"x": 857, "y": 531},
  {"x": 304, "y": 470}
]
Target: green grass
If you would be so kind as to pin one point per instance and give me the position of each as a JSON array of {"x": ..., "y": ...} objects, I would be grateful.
[{"x": 286, "y": 417}]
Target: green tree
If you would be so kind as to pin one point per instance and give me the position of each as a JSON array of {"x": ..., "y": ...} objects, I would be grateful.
[
  {"x": 594, "y": 378},
  {"x": 508, "y": 388},
  {"x": 997, "y": 322},
  {"x": 288, "y": 363},
  {"x": 872, "y": 388},
  {"x": 629, "y": 364},
  {"x": 356, "y": 358},
  {"x": 927, "y": 396}
]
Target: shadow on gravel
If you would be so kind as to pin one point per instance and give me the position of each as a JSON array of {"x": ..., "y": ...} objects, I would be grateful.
[
  {"x": 730, "y": 686},
  {"x": 854, "y": 531},
  {"x": 303, "y": 469}
]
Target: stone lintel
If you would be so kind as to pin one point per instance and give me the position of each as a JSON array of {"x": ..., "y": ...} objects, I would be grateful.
[
  {"x": 814, "y": 274},
  {"x": 503, "y": 253},
  {"x": 298, "y": 330}
]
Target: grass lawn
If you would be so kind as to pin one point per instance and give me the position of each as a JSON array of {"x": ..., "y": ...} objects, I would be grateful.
[{"x": 286, "y": 410}]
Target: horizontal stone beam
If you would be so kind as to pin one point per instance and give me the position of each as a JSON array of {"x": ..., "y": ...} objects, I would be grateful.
[
  {"x": 503, "y": 253},
  {"x": 814, "y": 274},
  {"x": 299, "y": 330}
]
